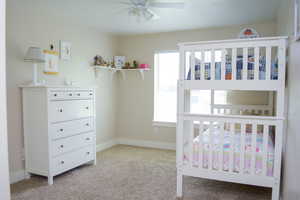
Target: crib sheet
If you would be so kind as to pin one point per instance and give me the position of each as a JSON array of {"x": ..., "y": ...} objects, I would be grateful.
[{"x": 236, "y": 152}]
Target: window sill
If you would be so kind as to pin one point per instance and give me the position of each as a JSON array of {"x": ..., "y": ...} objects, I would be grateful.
[{"x": 164, "y": 124}]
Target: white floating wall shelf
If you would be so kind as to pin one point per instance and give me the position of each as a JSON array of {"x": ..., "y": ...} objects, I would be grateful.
[{"x": 122, "y": 71}]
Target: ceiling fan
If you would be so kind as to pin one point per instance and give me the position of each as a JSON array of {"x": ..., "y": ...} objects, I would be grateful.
[{"x": 143, "y": 8}]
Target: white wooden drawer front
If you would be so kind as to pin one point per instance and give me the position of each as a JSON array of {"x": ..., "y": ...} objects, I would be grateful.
[
  {"x": 69, "y": 110},
  {"x": 73, "y": 159},
  {"x": 87, "y": 94},
  {"x": 65, "y": 129},
  {"x": 55, "y": 95},
  {"x": 72, "y": 143}
]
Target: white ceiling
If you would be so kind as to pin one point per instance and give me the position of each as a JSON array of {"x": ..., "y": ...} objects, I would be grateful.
[{"x": 111, "y": 16}]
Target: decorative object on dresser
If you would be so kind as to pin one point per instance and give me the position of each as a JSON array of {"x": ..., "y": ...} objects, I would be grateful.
[
  {"x": 34, "y": 55},
  {"x": 65, "y": 50},
  {"x": 59, "y": 129}
]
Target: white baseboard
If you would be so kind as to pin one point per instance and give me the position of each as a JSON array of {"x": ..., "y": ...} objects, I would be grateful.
[
  {"x": 147, "y": 143},
  {"x": 16, "y": 176},
  {"x": 106, "y": 145}
]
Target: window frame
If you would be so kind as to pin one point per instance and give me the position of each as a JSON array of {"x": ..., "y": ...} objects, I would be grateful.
[{"x": 157, "y": 123}]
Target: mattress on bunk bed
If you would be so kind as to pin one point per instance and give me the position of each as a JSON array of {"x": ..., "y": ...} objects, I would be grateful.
[
  {"x": 239, "y": 66},
  {"x": 236, "y": 152}
]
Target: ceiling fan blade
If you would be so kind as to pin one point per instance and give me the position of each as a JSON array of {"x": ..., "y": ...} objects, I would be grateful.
[
  {"x": 179, "y": 4},
  {"x": 151, "y": 14}
]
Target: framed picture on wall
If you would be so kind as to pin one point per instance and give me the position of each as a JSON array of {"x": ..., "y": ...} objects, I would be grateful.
[
  {"x": 65, "y": 50},
  {"x": 297, "y": 20},
  {"x": 51, "y": 62}
]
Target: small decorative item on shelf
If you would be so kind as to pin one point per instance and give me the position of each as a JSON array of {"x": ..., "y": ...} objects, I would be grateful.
[
  {"x": 98, "y": 60},
  {"x": 135, "y": 64},
  {"x": 144, "y": 66},
  {"x": 127, "y": 66},
  {"x": 119, "y": 61}
]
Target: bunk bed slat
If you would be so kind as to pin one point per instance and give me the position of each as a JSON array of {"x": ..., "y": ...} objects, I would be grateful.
[
  {"x": 233, "y": 64},
  {"x": 256, "y": 65},
  {"x": 200, "y": 146},
  {"x": 210, "y": 146},
  {"x": 253, "y": 148},
  {"x": 221, "y": 160},
  {"x": 213, "y": 65},
  {"x": 202, "y": 67},
  {"x": 231, "y": 150},
  {"x": 223, "y": 70},
  {"x": 191, "y": 142},
  {"x": 242, "y": 153},
  {"x": 245, "y": 64},
  {"x": 268, "y": 63},
  {"x": 265, "y": 149},
  {"x": 192, "y": 67},
  {"x": 281, "y": 63}
]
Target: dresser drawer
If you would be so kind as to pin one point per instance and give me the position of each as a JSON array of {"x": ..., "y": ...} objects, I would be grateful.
[
  {"x": 71, "y": 143},
  {"x": 69, "y": 110},
  {"x": 86, "y": 94},
  {"x": 55, "y": 95},
  {"x": 73, "y": 159},
  {"x": 65, "y": 129}
]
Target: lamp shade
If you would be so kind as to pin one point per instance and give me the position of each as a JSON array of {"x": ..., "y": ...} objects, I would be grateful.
[{"x": 35, "y": 55}]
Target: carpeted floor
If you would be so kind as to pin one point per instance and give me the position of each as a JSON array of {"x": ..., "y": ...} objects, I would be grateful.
[{"x": 131, "y": 173}]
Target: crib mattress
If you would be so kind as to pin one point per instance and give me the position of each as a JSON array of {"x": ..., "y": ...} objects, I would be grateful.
[{"x": 216, "y": 147}]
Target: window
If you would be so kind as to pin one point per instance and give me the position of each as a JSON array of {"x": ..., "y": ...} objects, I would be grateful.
[
  {"x": 165, "y": 86},
  {"x": 165, "y": 95}
]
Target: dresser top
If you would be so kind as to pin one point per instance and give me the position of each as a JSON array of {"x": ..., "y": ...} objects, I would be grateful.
[{"x": 57, "y": 86}]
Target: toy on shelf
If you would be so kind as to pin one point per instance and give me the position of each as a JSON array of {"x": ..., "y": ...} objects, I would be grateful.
[
  {"x": 144, "y": 66},
  {"x": 98, "y": 60}
]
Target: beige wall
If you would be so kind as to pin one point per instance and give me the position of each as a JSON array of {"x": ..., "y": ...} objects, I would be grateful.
[
  {"x": 135, "y": 110},
  {"x": 291, "y": 161},
  {"x": 21, "y": 34}
]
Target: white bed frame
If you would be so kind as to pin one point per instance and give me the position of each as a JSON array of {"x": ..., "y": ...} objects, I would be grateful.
[{"x": 221, "y": 114}]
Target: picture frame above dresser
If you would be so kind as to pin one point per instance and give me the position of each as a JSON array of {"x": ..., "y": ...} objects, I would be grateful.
[{"x": 59, "y": 129}]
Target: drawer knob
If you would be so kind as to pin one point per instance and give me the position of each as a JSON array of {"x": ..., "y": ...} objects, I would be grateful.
[
  {"x": 87, "y": 139},
  {"x": 88, "y": 153},
  {"x": 55, "y": 95},
  {"x": 62, "y": 162},
  {"x": 91, "y": 94},
  {"x": 70, "y": 94},
  {"x": 87, "y": 124},
  {"x": 60, "y": 110},
  {"x": 78, "y": 94},
  {"x": 87, "y": 107},
  {"x": 61, "y": 146},
  {"x": 61, "y": 130}
]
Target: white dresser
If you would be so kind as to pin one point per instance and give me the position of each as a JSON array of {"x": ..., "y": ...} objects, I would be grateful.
[{"x": 59, "y": 129}]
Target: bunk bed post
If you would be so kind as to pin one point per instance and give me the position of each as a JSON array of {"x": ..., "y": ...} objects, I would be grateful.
[
  {"x": 281, "y": 113},
  {"x": 179, "y": 128},
  {"x": 179, "y": 139}
]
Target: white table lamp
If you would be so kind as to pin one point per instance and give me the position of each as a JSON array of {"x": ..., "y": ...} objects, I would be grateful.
[{"x": 34, "y": 55}]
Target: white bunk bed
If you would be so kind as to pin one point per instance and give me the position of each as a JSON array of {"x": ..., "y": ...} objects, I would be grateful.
[{"x": 229, "y": 145}]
